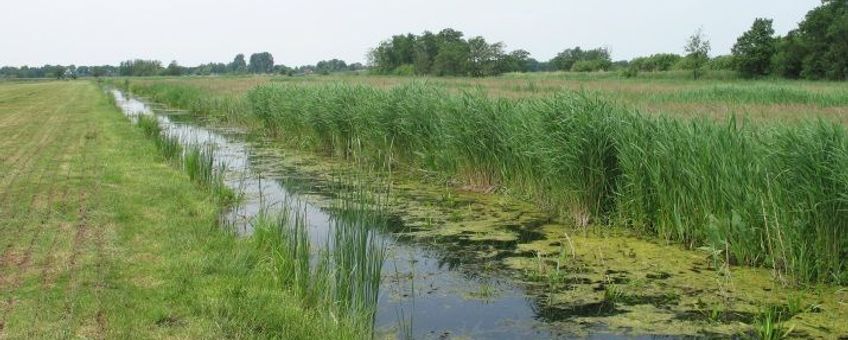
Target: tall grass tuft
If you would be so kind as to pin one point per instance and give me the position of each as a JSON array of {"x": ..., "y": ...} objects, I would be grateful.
[
  {"x": 149, "y": 125},
  {"x": 197, "y": 161},
  {"x": 341, "y": 279}
]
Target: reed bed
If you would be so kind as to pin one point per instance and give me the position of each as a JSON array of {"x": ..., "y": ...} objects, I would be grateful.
[
  {"x": 758, "y": 194},
  {"x": 766, "y": 193}
]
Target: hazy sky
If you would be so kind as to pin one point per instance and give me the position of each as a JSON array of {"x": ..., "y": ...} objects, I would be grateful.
[{"x": 90, "y": 32}]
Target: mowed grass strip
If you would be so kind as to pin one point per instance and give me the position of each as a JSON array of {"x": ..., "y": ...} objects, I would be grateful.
[{"x": 100, "y": 237}]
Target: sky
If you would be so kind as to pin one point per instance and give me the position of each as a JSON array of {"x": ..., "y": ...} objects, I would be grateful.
[{"x": 96, "y": 32}]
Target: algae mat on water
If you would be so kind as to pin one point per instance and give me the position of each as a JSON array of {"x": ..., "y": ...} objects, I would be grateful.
[{"x": 101, "y": 238}]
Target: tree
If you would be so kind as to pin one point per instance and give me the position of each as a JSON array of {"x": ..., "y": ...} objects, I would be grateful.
[
  {"x": 98, "y": 71},
  {"x": 754, "y": 50},
  {"x": 566, "y": 59},
  {"x": 140, "y": 68},
  {"x": 483, "y": 57},
  {"x": 516, "y": 61},
  {"x": 452, "y": 59},
  {"x": 59, "y": 72},
  {"x": 261, "y": 63},
  {"x": 426, "y": 49},
  {"x": 238, "y": 65},
  {"x": 173, "y": 69},
  {"x": 589, "y": 60},
  {"x": 788, "y": 62},
  {"x": 823, "y": 36},
  {"x": 446, "y": 53},
  {"x": 71, "y": 72},
  {"x": 697, "y": 53},
  {"x": 655, "y": 62},
  {"x": 725, "y": 63},
  {"x": 330, "y": 66}
]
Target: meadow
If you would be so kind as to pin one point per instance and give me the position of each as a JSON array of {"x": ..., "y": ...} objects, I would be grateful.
[
  {"x": 111, "y": 231},
  {"x": 754, "y": 170}
]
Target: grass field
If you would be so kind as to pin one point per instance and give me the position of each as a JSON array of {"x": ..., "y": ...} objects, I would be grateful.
[{"x": 101, "y": 237}]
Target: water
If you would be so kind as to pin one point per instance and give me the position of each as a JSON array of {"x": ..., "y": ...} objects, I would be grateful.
[{"x": 423, "y": 293}]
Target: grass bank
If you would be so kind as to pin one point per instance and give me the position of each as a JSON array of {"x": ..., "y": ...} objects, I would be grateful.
[
  {"x": 102, "y": 237},
  {"x": 770, "y": 194}
]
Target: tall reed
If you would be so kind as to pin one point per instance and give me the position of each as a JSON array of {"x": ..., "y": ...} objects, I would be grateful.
[{"x": 342, "y": 278}]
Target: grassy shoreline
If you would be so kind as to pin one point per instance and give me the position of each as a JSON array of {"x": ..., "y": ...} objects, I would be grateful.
[{"x": 101, "y": 237}]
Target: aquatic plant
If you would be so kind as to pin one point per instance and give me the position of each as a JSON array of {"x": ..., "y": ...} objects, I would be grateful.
[
  {"x": 613, "y": 293},
  {"x": 768, "y": 325},
  {"x": 149, "y": 125},
  {"x": 342, "y": 278},
  {"x": 169, "y": 146}
]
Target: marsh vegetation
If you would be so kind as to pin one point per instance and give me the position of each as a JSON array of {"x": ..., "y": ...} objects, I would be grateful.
[{"x": 744, "y": 191}]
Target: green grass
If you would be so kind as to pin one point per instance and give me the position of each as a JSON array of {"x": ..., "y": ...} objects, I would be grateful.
[{"x": 101, "y": 238}]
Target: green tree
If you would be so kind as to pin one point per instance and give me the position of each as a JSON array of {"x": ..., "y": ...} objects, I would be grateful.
[
  {"x": 697, "y": 53},
  {"x": 261, "y": 63},
  {"x": 515, "y": 61},
  {"x": 724, "y": 63},
  {"x": 140, "y": 68},
  {"x": 789, "y": 60},
  {"x": 483, "y": 57},
  {"x": 566, "y": 59},
  {"x": 755, "y": 49},
  {"x": 588, "y": 60},
  {"x": 59, "y": 72},
  {"x": 426, "y": 49},
  {"x": 452, "y": 59},
  {"x": 331, "y": 66},
  {"x": 453, "y": 56},
  {"x": 238, "y": 65},
  {"x": 655, "y": 62},
  {"x": 824, "y": 37},
  {"x": 174, "y": 69}
]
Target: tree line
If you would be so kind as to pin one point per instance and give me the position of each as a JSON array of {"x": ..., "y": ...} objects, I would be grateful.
[
  {"x": 258, "y": 63},
  {"x": 816, "y": 49}
]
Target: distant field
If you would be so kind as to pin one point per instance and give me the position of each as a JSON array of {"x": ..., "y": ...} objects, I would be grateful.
[{"x": 663, "y": 93}]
